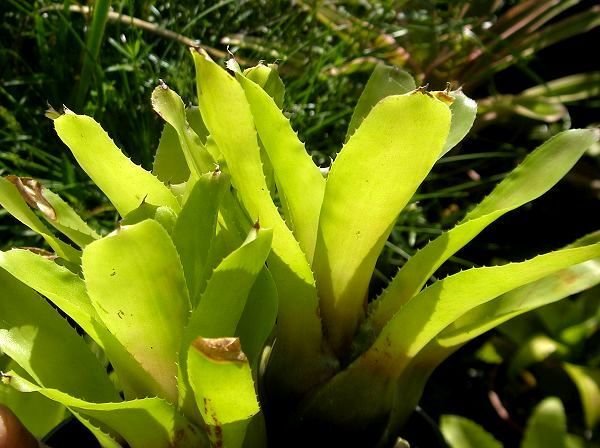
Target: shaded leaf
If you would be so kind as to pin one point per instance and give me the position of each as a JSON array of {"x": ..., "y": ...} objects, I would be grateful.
[
  {"x": 461, "y": 432},
  {"x": 547, "y": 426}
]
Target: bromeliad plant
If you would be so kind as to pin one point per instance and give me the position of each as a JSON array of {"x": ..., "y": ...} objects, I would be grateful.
[{"x": 217, "y": 313}]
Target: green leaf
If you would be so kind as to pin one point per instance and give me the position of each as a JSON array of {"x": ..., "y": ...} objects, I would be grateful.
[
  {"x": 438, "y": 306},
  {"x": 532, "y": 351},
  {"x": 170, "y": 107},
  {"x": 125, "y": 184},
  {"x": 547, "y": 290},
  {"x": 170, "y": 165},
  {"x": 267, "y": 77},
  {"x": 547, "y": 426},
  {"x": 228, "y": 117},
  {"x": 587, "y": 381},
  {"x": 222, "y": 381},
  {"x": 299, "y": 181},
  {"x": 418, "y": 322},
  {"x": 195, "y": 230},
  {"x": 56, "y": 211},
  {"x": 194, "y": 118},
  {"x": 37, "y": 413},
  {"x": 384, "y": 81},
  {"x": 258, "y": 319},
  {"x": 568, "y": 89},
  {"x": 44, "y": 345},
  {"x": 14, "y": 203},
  {"x": 464, "y": 111},
  {"x": 140, "y": 263},
  {"x": 145, "y": 423},
  {"x": 461, "y": 432},
  {"x": 223, "y": 301},
  {"x": 68, "y": 221},
  {"x": 533, "y": 177},
  {"x": 68, "y": 292},
  {"x": 401, "y": 138},
  {"x": 64, "y": 288}
]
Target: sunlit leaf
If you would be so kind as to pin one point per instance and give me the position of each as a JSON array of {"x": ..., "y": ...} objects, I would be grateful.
[
  {"x": 401, "y": 138},
  {"x": 148, "y": 422},
  {"x": 533, "y": 177},
  {"x": 44, "y": 345},
  {"x": 140, "y": 263},
  {"x": 299, "y": 182},
  {"x": 384, "y": 81},
  {"x": 125, "y": 184},
  {"x": 15, "y": 204}
]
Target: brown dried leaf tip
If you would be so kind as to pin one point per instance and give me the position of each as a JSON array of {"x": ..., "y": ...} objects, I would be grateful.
[
  {"x": 31, "y": 190},
  {"x": 220, "y": 349},
  {"x": 422, "y": 90},
  {"x": 51, "y": 112}
]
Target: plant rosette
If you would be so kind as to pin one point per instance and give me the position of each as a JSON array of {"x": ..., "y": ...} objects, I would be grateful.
[{"x": 230, "y": 305}]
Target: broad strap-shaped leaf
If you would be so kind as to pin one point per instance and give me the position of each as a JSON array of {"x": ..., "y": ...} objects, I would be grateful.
[
  {"x": 419, "y": 321},
  {"x": 587, "y": 381},
  {"x": 44, "y": 345},
  {"x": 259, "y": 317},
  {"x": 14, "y": 203},
  {"x": 223, "y": 301},
  {"x": 221, "y": 379},
  {"x": 136, "y": 284},
  {"x": 547, "y": 426},
  {"x": 61, "y": 286},
  {"x": 144, "y": 423},
  {"x": 56, "y": 211},
  {"x": 384, "y": 81},
  {"x": 542, "y": 169},
  {"x": 68, "y": 292},
  {"x": 195, "y": 230},
  {"x": 37, "y": 413},
  {"x": 169, "y": 164},
  {"x": 228, "y": 117},
  {"x": 171, "y": 108},
  {"x": 125, "y": 184},
  {"x": 461, "y": 432},
  {"x": 464, "y": 111},
  {"x": 372, "y": 179},
  {"x": 550, "y": 289},
  {"x": 299, "y": 181}
]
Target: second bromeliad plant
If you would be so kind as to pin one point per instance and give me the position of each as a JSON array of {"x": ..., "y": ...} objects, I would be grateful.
[{"x": 214, "y": 310}]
